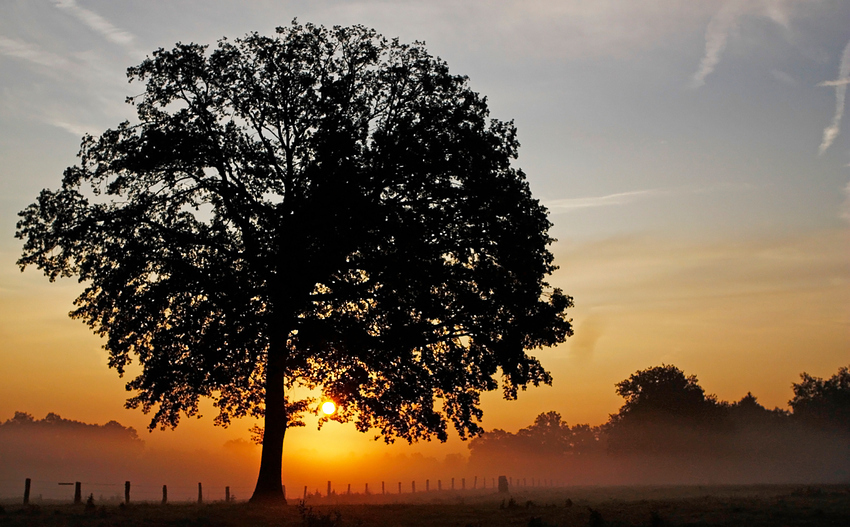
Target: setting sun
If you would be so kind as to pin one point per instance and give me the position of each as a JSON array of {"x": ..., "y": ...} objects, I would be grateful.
[{"x": 328, "y": 407}]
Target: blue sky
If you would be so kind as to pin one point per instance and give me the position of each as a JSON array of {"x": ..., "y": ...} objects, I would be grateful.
[{"x": 695, "y": 158}]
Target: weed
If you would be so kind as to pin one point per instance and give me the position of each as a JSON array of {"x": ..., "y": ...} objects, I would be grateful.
[
  {"x": 568, "y": 503},
  {"x": 315, "y": 519},
  {"x": 90, "y": 503},
  {"x": 595, "y": 519},
  {"x": 655, "y": 519}
]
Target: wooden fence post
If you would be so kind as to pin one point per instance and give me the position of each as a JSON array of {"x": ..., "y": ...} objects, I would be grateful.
[
  {"x": 413, "y": 486},
  {"x": 127, "y": 492},
  {"x": 503, "y": 484},
  {"x": 27, "y": 485},
  {"x": 399, "y": 487},
  {"x": 226, "y": 494},
  {"x": 200, "y": 493},
  {"x": 366, "y": 492},
  {"x": 78, "y": 493},
  {"x": 453, "y": 483},
  {"x": 463, "y": 483},
  {"x": 305, "y": 493},
  {"x": 348, "y": 492},
  {"x": 383, "y": 490},
  {"x": 329, "y": 489},
  {"x": 164, "y": 494},
  {"x": 427, "y": 485}
]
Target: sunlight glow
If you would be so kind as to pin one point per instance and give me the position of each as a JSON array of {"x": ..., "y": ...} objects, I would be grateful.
[{"x": 328, "y": 407}]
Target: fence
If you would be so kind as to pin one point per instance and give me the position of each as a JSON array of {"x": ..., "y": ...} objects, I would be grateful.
[{"x": 35, "y": 490}]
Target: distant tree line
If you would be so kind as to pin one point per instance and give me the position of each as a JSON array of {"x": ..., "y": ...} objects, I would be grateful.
[
  {"x": 667, "y": 415},
  {"x": 24, "y": 425}
]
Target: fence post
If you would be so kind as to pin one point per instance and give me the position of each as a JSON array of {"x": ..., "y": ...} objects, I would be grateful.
[
  {"x": 27, "y": 485},
  {"x": 78, "y": 493},
  {"x": 503, "y": 484},
  {"x": 453, "y": 483},
  {"x": 329, "y": 489},
  {"x": 383, "y": 490},
  {"x": 413, "y": 486},
  {"x": 475, "y": 483},
  {"x": 348, "y": 492},
  {"x": 367, "y": 490},
  {"x": 439, "y": 484},
  {"x": 227, "y": 494},
  {"x": 463, "y": 483},
  {"x": 200, "y": 493},
  {"x": 164, "y": 494},
  {"x": 127, "y": 492},
  {"x": 399, "y": 487},
  {"x": 305, "y": 493},
  {"x": 427, "y": 485}
]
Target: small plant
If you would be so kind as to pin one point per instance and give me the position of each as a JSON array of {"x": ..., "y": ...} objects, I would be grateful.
[
  {"x": 568, "y": 503},
  {"x": 90, "y": 503},
  {"x": 655, "y": 519},
  {"x": 314, "y": 519},
  {"x": 595, "y": 519}
]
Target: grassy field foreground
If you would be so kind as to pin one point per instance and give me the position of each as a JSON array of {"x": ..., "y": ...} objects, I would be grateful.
[{"x": 613, "y": 506}]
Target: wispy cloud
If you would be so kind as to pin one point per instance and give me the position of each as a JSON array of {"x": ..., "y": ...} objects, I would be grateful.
[
  {"x": 621, "y": 198},
  {"x": 839, "y": 82},
  {"x": 30, "y": 53},
  {"x": 831, "y": 131},
  {"x": 97, "y": 23},
  {"x": 727, "y": 21}
]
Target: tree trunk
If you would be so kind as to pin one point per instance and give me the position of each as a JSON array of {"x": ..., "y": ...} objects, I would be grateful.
[{"x": 269, "y": 482}]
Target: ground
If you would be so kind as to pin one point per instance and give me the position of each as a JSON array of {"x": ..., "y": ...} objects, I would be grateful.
[{"x": 570, "y": 506}]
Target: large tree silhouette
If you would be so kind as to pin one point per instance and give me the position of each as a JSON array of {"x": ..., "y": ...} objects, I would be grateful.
[{"x": 320, "y": 208}]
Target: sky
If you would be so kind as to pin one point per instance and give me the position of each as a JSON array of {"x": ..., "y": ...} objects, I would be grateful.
[{"x": 694, "y": 157}]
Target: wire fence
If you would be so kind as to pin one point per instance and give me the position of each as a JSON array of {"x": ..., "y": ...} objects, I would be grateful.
[{"x": 30, "y": 490}]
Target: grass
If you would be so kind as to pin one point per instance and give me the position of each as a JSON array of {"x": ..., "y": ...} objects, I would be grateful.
[{"x": 579, "y": 506}]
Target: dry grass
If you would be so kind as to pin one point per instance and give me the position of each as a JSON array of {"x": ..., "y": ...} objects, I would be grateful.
[{"x": 612, "y": 506}]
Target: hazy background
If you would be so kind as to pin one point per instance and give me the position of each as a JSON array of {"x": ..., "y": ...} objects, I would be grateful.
[{"x": 690, "y": 153}]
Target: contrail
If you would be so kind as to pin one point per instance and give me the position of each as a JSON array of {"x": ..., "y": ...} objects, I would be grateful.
[
  {"x": 96, "y": 22},
  {"x": 716, "y": 35},
  {"x": 831, "y": 131}
]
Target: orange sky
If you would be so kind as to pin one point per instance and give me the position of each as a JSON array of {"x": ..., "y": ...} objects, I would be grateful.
[{"x": 691, "y": 155}]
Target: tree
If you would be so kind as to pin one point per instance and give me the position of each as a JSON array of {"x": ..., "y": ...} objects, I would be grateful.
[
  {"x": 661, "y": 403},
  {"x": 321, "y": 208},
  {"x": 824, "y": 403}
]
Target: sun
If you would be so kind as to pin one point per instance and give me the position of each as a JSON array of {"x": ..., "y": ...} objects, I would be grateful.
[{"x": 328, "y": 407}]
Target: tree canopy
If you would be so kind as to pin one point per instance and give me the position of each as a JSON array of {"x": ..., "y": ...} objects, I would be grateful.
[{"x": 323, "y": 208}]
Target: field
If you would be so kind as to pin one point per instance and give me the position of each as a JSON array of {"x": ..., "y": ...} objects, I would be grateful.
[{"x": 576, "y": 506}]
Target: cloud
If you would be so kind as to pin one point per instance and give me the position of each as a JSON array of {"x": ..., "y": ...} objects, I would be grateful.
[
  {"x": 726, "y": 22},
  {"x": 716, "y": 34},
  {"x": 30, "y": 53},
  {"x": 97, "y": 23},
  {"x": 831, "y": 131},
  {"x": 839, "y": 82},
  {"x": 621, "y": 198}
]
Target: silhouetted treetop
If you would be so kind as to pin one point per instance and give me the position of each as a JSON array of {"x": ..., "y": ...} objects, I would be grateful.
[
  {"x": 825, "y": 403},
  {"x": 323, "y": 208},
  {"x": 663, "y": 391}
]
